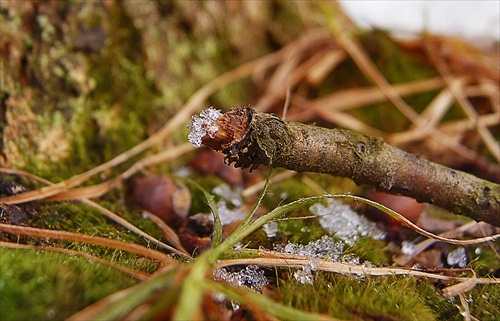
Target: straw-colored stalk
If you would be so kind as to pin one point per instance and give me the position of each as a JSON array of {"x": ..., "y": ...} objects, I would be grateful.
[{"x": 249, "y": 138}]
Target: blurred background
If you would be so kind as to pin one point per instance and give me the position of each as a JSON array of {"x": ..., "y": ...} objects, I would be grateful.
[{"x": 474, "y": 20}]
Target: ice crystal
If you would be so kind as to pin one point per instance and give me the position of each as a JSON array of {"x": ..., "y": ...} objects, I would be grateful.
[
  {"x": 350, "y": 259},
  {"x": 368, "y": 264},
  {"x": 271, "y": 229},
  {"x": 304, "y": 275},
  {"x": 183, "y": 172},
  {"x": 238, "y": 246},
  {"x": 340, "y": 220},
  {"x": 407, "y": 248},
  {"x": 457, "y": 258},
  {"x": 203, "y": 125},
  {"x": 227, "y": 215},
  {"x": 251, "y": 276},
  {"x": 227, "y": 193},
  {"x": 323, "y": 248}
]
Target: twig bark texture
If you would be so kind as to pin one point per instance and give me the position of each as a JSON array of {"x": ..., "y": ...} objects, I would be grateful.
[{"x": 249, "y": 138}]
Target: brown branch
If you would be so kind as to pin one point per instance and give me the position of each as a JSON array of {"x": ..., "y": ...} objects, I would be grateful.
[{"x": 249, "y": 138}]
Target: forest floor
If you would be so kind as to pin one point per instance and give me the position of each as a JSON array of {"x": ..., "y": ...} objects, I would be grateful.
[{"x": 108, "y": 212}]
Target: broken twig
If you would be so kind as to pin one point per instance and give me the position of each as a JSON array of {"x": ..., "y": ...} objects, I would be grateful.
[{"x": 249, "y": 138}]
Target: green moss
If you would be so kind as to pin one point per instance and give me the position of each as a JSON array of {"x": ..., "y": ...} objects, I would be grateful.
[
  {"x": 354, "y": 299},
  {"x": 301, "y": 231},
  {"x": 52, "y": 286},
  {"x": 396, "y": 64},
  {"x": 483, "y": 301},
  {"x": 386, "y": 298},
  {"x": 287, "y": 191},
  {"x": 483, "y": 260},
  {"x": 372, "y": 250}
]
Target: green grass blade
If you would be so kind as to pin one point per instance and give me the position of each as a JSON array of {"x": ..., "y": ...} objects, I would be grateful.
[
  {"x": 217, "y": 236},
  {"x": 244, "y": 295}
]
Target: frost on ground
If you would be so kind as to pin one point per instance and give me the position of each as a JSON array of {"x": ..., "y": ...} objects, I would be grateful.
[
  {"x": 457, "y": 258},
  {"x": 271, "y": 229},
  {"x": 203, "y": 124},
  {"x": 251, "y": 276},
  {"x": 304, "y": 275},
  {"x": 325, "y": 248},
  {"x": 340, "y": 220},
  {"x": 227, "y": 215},
  {"x": 408, "y": 248},
  {"x": 229, "y": 194}
]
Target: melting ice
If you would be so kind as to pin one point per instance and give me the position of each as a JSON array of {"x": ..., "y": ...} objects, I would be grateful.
[
  {"x": 251, "y": 276},
  {"x": 271, "y": 229},
  {"x": 323, "y": 248},
  {"x": 340, "y": 220},
  {"x": 227, "y": 215},
  {"x": 227, "y": 193},
  {"x": 304, "y": 275},
  {"x": 203, "y": 125},
  {"x": 457, "y": 258}
]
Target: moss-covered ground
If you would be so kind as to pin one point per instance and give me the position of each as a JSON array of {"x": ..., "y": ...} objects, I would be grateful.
[{"x": 82, "y": 82}]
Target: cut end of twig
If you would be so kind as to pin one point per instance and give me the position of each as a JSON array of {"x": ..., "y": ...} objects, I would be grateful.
[{"x": 220, "y": 131}]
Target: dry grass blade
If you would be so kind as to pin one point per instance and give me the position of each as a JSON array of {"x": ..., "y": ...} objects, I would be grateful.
[
  {"x": 87, "y": 192},
  {"x": 290, "y": 71},
  {"x": 459, "y": 95},
  {"x": 180, "y": 251},
  {"x": 139, "y": 275},
  {"x": 364, "y": 63},
  {"x": 348, "y": 121},
  {"x": 101, "y": 189},
  {"x": 420, "y": 247},
  {"x": 359, "y": 97},
  {"x": 275, "y": 259},
  {"x": 75, "y": 237},
  {"x": 460, "y": 288},
  {"x": 169, "y": 234}
]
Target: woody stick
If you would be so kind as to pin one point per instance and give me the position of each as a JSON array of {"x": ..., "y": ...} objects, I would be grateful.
[{"x": 249, "y": 139}]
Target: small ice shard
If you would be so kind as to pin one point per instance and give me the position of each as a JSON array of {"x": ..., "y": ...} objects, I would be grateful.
[
  {"x": 203, "y": 125},
  {"x": 228, "y": 216},
  {"x": 324, "y": 248},
  {"x": 368, "y": 264},
  {"x": 239, "y": 246},
  {"x": 183, "y": 172},
  {"x": 340, "y": 220},
  {"x": 271, "y": 229},
  {"x": 407, "y": 248},
  {"x": 251, "y": 276},
  {"x": 304, "y": 275},
  {"x": 350, "y": 259},
  {"x": 227, "y": 193},
  {"x": 457, "y": 258},
  {"x": 314, "y": 263}
]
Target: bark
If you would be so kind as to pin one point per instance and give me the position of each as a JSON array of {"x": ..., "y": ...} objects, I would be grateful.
[{"x": 249, "y": 138}]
